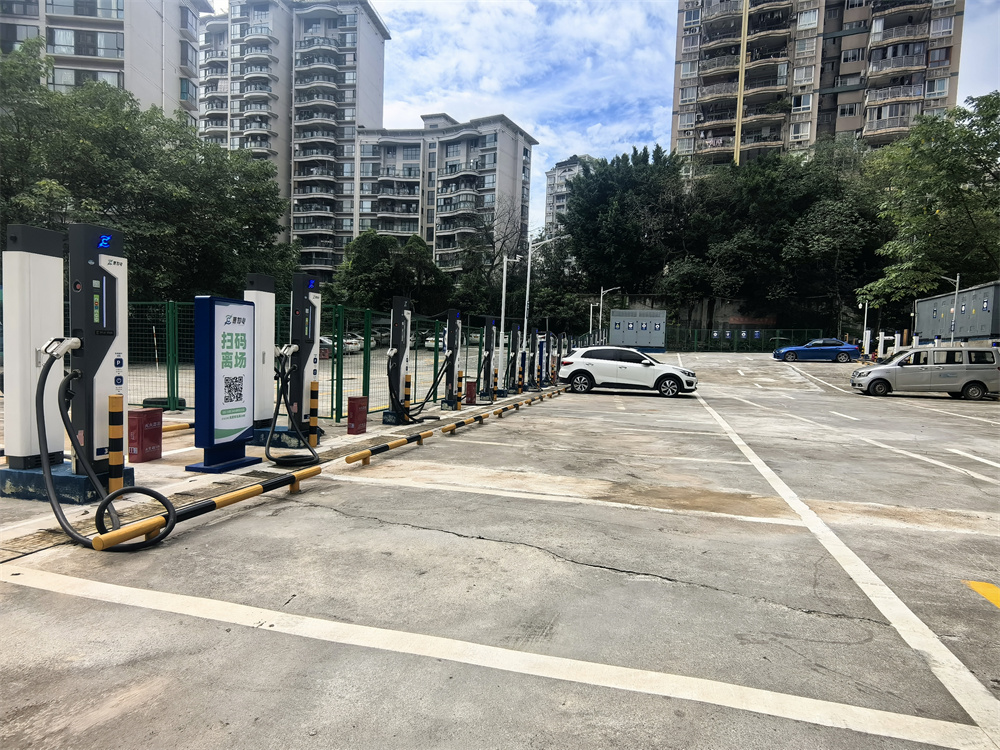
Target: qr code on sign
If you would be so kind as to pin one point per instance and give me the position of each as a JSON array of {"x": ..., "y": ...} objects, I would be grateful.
[{"x": 234, "y": 389}]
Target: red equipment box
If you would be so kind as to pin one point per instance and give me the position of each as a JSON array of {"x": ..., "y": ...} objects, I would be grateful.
[
  {"x": 470, "y": 393},
  {"x": 357, "y": 415},
  {"x": 145, "y": 435}
]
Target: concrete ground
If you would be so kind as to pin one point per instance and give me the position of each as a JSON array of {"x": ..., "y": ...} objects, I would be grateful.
[{"x": 774, "y": 563}]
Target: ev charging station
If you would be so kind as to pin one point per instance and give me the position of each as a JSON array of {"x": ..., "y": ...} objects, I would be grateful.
[
  {"x": 98, "y": 316},
  {"x": 453, "y": 357},
  {"x": 399, "y": 361},
  {"x": 304, "y": 338},
  {"x": 33, "y": 265},
  {"x": 489, "y": 363},
  {"x": 260, "y": 291}
]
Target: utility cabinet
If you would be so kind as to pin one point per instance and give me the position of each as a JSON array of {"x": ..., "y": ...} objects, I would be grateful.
[{"x": 640, "y": 329}]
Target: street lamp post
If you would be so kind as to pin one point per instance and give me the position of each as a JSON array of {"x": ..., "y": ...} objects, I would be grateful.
[
  {"x": 503, "y": 308},
  {"x": 591, "y": 330},
  {"x": 527, "y": 291},
  {"x": 865, "y": 338},
  {"x": 600, "y": 308},
  {"x": 954, "y": 309}
]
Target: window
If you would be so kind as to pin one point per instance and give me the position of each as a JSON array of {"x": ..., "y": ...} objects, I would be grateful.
[
  {"x": 12, "y": 34},
  {"x": 685, "y": 145},
  {"x": 938, "y": 58},
  {"x": 431, "y": 161},
  {"x": 189, "y": 92},
  {"x": 489, "y": 200},
  {"x": 189, "y": 55},
  {"x": 916, "y": 358},
  {"x": 689, "y": 94},
  {"x": 689, "y": 69},
  {"x": 28, "y": 8},
  {"x": 691, "y": 42},
  {"x": 692, "y": 18},
  {"x": 92, "y": 8},
  {"x": 856, "y": 25},
  {"x": 606, "y": 354},
  {"x": 832, "y": 13},
  {"x": 86, "y": 43},
  {"x": 348, "y": 40},
  {"x": 851, "y": 55},
  {"x": 942, "y": 26},
  {"x": 64, "y": 80},
  {"x": 805, "y": 46},
  {"x": 848, "y": 110},
  {"x": 804, "y": 75},
  {"x": 856, "y": 3},
  {"x": 981, "y": 358},
  {"x": 808, "y": 19},
  {"x": 802, "y": 103},
  {"x": 366, "y": 207},
  {"x": 800, "y": 131},
  {"x": 949, "y": 357},
  {"x": 685, "y": 121},
  {"x": 829, "y": 66},
  {"x": 936, "y": 88},
  {"x": 349, "y": 19},
  {"x": 488, "y": 181},
  {"x": 411, "y": 153},
  {"x": 488, "y": 161},
  {"x": 453, "y": 150}
]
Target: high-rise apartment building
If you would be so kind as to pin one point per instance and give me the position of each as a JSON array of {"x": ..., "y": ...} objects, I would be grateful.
[
  {"x": 444, "y": 181},
  {"x": 145, "y": 46},
  {"x": 557, "y": 189},
  {"x": 757, "y": 75}
]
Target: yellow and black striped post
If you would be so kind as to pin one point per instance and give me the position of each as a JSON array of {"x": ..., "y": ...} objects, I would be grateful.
[
  {"x": 116, "y": 442},
  {"x": 496, "y": 377},
  {"x": 313, "y": 412},
  {"x": 406, "y": 395},
  {"x": 460, "y": 393},
  {"x": 520, "y": 376},
  {"x": 151, "y": 526}
]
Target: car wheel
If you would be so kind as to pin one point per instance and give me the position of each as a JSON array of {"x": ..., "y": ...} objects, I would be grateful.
[
  {"x": 791, "y": 356},
  {"x": 669, "y": 386},
  {"x": 954, "y": 394},
  {"x": 843, "y": 357},
  {"x": 878, "y": 388},
  {"x": 973, "y": 391},
  {"x": 581, "y": 382}
]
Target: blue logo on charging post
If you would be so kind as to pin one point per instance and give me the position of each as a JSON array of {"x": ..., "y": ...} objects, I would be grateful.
[
  {"x": 119, "y": 380},
  {"x": 119, "y": 362}
]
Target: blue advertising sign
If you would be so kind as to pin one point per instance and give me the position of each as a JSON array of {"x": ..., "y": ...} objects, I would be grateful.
[
  {"x": 756, "y": 334},
  {"x": 729, "y": 334},
  {"x": 715, "y": 334},
  {"x": 743, "y": 334},
  {"x": 223, "y": 382}
]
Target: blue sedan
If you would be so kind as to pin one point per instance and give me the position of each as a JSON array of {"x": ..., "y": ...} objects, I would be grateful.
[{"x": 830, "y": 350}]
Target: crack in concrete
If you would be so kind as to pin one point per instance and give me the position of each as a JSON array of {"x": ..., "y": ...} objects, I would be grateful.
[{"x": 597, "y": 566}]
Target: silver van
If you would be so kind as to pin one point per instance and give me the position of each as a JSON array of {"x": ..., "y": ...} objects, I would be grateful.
[{"x": 961, "y": 373}]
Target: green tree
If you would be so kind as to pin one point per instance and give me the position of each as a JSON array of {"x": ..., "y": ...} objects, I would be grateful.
[
  {"x": 195, "y": 218},
  {"x": 366, "y": 277},
  {"x": 941, "y": 189}
]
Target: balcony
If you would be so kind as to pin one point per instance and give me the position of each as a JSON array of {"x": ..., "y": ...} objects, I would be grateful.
[
  {"x": 314, "y": 190},
  {"x": 214, "y": 73},
  {"x": 451, "y": 170},
  {"x": 759, "y": 114},
  {"x": 259, "y": 54},
  {"x": 259, "y": 71},
  {"x": 881, "y": 7},
  {"x": 875, "y": 96},
  {"x": 312, "y": 208},
  {"x": 410, "y": 209},
  {"x": 214, "y": 126},
  {"x": 215, "y": 106},
  {"x": 719, "y": 38},
  {"x": 718, "y": 63},
  {"x": 307, "y": 135},
  {"x": 780, "y": 28},
  {"x": 765, "y": 85},
  {"x": 321, "y": 81},
  {"x": 315, "y": 116},
  {"x": 909, "y": 31},
  {"x": 392, "y": 173},
  {"x": 713, "y": 145},
  {"x": 320, "y": 172},
  {"x": 312, "y": 225},
  {"x": 758, "y": 140},
  {"x": 731, "y": 8},
  {"x": 260, "y": 148},
  {"x": 756, "y": 5},
  {"x": 761, "y": 58},
  {"x": 260, "y": 34},
  {"x": 718, "y": 90},
  {"x": 897, "y": 63},
  {"x": 321, "y": 259},
  {"x": 401, "y": 193},
  {"x": 213, "y": 54},
  {"x": 258, "y": 91},
  {"x": 889, "y": 124},
  {"x": 317, "y": 62},
  {"x": 206, "y": 92},
  {"x": 316, "y": 42},
  {"x": 259, "y": 128},
  {"x": 456, "y": 207}
]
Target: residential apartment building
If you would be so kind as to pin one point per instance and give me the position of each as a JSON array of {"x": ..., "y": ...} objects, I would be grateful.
[
  {"x": 758, "y": 75},
  {"x": 145, "y": 46},
  {"x": 557, "y": 189}
]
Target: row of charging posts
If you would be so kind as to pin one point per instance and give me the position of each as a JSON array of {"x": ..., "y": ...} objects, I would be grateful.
[{"x": 98, "y": 349}]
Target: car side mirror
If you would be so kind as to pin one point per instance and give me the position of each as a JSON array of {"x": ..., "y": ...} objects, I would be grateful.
[{"x": 646, "y": 363}]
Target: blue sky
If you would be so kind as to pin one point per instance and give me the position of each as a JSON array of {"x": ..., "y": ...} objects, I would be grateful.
[{"x": 582, "y": 76}]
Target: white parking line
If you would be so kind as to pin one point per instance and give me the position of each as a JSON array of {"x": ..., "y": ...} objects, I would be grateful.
[
  {"x": 710, "y": 692},
  {"x": 943, "y": 411},
  {"x": 845, "y": 416},
  {"x": 975, "y": 458},
  {"x": 801, "y": 372},
  {"x": 758, "y": 385},
  {"x": 742, "y": 373},
  {"x": 179, "y": 450},
  {"x": 977, "y": 701}
]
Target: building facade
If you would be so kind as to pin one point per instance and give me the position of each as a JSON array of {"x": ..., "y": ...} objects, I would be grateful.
[
  {"x": 148, "y": 47},
  {"x": 758, "y": 75},
  {"x": 557, "y": 189}
]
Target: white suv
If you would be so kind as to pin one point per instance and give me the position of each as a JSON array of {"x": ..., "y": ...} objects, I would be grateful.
[{"x": 620, "y": 367}]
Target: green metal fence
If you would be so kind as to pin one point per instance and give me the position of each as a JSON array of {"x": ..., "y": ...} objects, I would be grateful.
[{"x": 723, "y": 339}]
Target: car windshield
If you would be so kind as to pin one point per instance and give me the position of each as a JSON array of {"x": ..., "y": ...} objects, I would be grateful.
[{"x": 896, "y": 357}]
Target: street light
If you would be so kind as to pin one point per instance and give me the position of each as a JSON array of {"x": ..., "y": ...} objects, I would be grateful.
[
  {"x": 592, "y": 306},
  {"x": 600, "y": 309},
  {"x": 866, "y": 339},
  {"x": 527, "y": 291},
  {"x": 503, "y": 309},
  {"x": 954, "y": 309}
]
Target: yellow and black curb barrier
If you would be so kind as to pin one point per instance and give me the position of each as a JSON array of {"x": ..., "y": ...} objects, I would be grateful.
[
  {"x": 150, "y": 526},
  {"x": 449, "y": 429},
  {"x": 365, "y": 456},
  {"x": 178, "y": 427},
  {"x": 116, "y": 442}
]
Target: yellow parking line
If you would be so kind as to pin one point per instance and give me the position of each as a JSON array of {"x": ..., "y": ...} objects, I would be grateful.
[{"x": 988, "y": 591}]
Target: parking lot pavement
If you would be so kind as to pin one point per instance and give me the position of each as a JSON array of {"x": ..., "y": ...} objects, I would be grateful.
[{"x": 771, "y": 563}]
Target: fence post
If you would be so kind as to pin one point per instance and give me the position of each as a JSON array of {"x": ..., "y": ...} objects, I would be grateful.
[
  {"x": 339, "y": 334},
  {"x": 173, "y": 363},
  {"x": 437, "y": 348},
  {"x": 479, "y": 361},
  {"x": 367, "y": 363}
]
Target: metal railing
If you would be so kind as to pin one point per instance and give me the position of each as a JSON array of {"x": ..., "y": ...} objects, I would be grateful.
[
  {"x": 895, "y": 92},
  {"x": 900, "y": 32},
  {"x": 903, "y": 61}
]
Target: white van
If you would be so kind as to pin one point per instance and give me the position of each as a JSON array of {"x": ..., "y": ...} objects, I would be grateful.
[{"x": 969, "y": 372}]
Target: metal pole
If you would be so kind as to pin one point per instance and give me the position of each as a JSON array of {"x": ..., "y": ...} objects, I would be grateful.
[
  {"x": 527, "y": 290},
  {"x": 954, "y": 309},
  {"x": 503, "y": 302},
  {"x": 600, "y": 312}
]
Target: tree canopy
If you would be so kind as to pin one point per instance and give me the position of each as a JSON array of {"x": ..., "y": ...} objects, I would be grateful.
[{"x": 195, "y": 217}]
